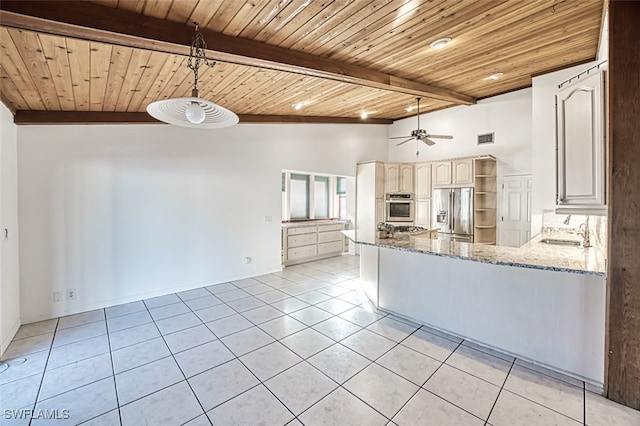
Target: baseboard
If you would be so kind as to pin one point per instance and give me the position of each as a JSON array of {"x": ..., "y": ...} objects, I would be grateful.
[{"x": 139, "y": 296}]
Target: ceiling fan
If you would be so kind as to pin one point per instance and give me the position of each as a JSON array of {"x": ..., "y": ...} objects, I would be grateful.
[{"x": 421, "y": 134}]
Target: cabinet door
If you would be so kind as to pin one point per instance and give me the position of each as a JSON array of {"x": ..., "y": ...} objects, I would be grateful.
[
  {"x": 392, "y": 178},
  {"x": 581, "y": 146},
  {"x": 380, "y": 211},
  {"x": 423, "y": 213},
  {"x": 406, "y": 178},
  {"x": 379, "y": 180},
  {"x": 462, "y": 172},
  {"x": 442, "y": 174},
  {"x": 423, "y": 180}
]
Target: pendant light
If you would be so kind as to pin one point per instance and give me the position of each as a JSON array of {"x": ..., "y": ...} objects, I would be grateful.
[{"x": 193, "y": 111}]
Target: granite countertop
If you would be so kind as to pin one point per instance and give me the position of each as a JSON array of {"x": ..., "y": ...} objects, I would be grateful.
[
  {"x": 313, "y": 222},
  {"x": 534, "y": 254}
]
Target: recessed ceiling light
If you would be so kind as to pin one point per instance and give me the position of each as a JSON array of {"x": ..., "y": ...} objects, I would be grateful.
[
  {"x": 495, "y": 76},
  {"x": 409, "y": 108},
  {"x": 440, "y": 43},
  {"x": 298, "y": 105},
  {"x": 364, "y": 115}
]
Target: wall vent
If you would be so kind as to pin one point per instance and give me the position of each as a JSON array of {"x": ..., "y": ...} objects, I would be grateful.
[{"x": 486, "y": 138}]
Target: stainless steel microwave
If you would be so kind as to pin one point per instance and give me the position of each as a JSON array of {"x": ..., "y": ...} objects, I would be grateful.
[{"x": 399, "y": 208}]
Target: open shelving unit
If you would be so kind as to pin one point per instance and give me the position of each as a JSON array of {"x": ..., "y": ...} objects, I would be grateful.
[{"x": 485, "y": 200}]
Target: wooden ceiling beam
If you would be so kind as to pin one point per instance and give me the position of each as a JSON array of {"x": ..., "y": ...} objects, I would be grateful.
[
  {"x": 30, "y": 117},
  {"x": 93, "y": 22}
]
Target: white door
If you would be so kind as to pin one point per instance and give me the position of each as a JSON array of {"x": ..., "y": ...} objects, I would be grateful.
[{"x": 515, "y": 226}]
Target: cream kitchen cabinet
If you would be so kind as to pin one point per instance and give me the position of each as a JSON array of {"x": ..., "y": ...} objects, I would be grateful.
[
  {"x": 422, "y": 185},
  {"x": 398, "y": 178},
  {"x": 454, "y": 173},
  {"x": 462, "y": 171},
  {"x": 581, "y": 154},
  {"x": 441, "y": 174},
  {"x": 311, "y": 242}
]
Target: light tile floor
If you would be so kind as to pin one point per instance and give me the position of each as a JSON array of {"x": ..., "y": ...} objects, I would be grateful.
[{"x": 301, "y": 346}]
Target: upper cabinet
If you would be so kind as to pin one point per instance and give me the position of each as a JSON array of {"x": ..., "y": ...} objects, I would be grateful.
[
  {"x": 398, "y": 178},
  {"x": 462, "y": 172},
  {"x": 453, "y": 173},
  {"x": 581, "y": 146},
  {"x": 441, "y": 174},
  {"x": 422, "y": 184}
]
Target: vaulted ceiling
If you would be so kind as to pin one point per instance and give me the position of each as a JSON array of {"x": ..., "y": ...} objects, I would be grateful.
[{"x": 106, "y": 60}]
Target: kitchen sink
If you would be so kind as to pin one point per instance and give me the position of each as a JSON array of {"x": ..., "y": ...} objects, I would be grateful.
[{"x": 561, "y": 242}]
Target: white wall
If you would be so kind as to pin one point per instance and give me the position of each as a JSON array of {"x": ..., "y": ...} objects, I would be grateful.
[
  {"x": 121, "y": 213},
  {"x": 543, "y": 153},
  {"x": 9, "y": 266},
  {"x": 508, "y": 116}
]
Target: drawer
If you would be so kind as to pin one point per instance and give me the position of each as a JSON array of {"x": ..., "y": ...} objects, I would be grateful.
[
  {"x": 302, "y": 252},
  {"x": 325, "y": 237},
  {"x": 301, "y": 230},
  {"x": 332, "y": 247},
  {"x": 326, "y": 228},
  {"x": 301, "y": 240}
]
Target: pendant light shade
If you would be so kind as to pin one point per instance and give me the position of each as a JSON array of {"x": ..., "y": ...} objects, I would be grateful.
[{"x": 193, "y": 111}]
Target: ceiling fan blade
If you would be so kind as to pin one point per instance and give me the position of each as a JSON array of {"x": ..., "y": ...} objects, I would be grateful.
[
  {"x": 400, "y": 137},
  {"x": 403, "y": 142},
  {"x": 428, "y": 141},
  {"x": 440, "y": 136}
]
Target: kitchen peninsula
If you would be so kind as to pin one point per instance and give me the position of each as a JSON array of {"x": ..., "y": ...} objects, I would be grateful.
[{"x": 542, "y": 303}]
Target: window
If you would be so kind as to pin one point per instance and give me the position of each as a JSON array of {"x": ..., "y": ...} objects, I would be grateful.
[
  {"x": 299, "y": 188},
  {"x": 321, "y": 197},
  {"x": 341, "y": 185},
  {"x": 313, "y": 196}
]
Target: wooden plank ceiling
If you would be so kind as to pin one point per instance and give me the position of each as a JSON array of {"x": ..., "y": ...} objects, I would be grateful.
[{"x": 339, "y": 58}]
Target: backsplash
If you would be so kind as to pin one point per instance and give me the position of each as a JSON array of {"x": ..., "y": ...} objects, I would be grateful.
[{"x": 571, "y": 227}]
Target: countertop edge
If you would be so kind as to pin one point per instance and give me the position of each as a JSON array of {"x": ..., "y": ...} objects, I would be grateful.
[
  {"x": 350, "y": 236},
  {"x": 303, "y": 223}
]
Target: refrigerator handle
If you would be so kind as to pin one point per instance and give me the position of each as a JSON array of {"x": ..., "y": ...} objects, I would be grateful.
[{"x": 452, "y": 213}]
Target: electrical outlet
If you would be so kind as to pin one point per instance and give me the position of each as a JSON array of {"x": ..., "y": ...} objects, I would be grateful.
[
  {"x": 57, "y": 296},
  {"x": 71, "y": 294},
  {"x": 247, "y": 260}
]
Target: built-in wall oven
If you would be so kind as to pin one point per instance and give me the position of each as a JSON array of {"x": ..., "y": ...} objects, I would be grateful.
[{"x": 400, "y": 207}]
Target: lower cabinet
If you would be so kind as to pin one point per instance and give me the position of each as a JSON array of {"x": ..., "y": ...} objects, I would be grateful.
[{"x": 306, "y": 243}]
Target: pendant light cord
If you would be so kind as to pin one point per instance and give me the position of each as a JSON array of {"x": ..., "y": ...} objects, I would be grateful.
[{"x": 198, "y": 57}]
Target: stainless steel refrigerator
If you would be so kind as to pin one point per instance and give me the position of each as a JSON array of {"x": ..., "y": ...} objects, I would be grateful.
[{"x": 453, "y": 213}]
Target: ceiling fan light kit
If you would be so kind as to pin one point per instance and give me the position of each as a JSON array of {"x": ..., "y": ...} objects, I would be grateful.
[{"x": 193, "y": 111}]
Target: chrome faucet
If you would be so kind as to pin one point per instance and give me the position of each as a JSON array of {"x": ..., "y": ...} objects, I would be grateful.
[
  {"x": 567, "y": 220},
  {"x": 585, "y": 233}
]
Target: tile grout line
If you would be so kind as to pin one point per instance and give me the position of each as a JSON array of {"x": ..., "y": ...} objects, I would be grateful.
[
  {"x": 173, "y": 384},
  {"x": 113, "y": 370},
  {"x": 486, "y": 422},
  {"x": 255, "y": 325},
  {"x": 260, "y": 382},
  {"x": 430, "y": 376},
  {"x": 463, "y": 371},
  {"x": 292, "y": 366},
  {"x": 584, "y": 403},
  {"x": 44, "y": 372}
]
